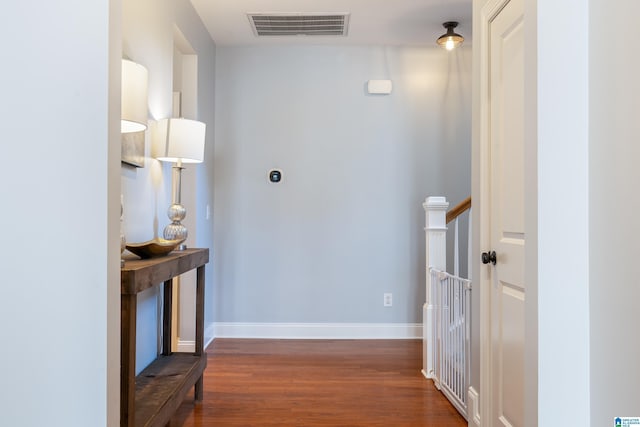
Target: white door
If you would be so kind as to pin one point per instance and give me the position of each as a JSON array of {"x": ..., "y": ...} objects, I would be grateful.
[{"x": 505, "y": 145}]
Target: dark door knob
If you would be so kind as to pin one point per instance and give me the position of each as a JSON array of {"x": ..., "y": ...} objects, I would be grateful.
[{"x": 489, "y": 257}]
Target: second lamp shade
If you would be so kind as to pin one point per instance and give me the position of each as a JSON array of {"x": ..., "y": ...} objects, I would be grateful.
[{"x": 179, "y": 140}]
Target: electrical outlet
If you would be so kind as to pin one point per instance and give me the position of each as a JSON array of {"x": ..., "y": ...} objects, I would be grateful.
[{"x": 388, "y": 300}]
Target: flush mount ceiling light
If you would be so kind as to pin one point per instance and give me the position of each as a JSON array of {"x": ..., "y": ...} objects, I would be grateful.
[{"x": 450, "y": 40}]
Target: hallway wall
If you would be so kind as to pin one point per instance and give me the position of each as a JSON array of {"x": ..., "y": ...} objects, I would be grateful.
[
  {"x": 148, "y": 38},
  {"x": 614, "y": 248},
  {"x": 345, "y": 225},
  {"x": 59, "y": 362}
]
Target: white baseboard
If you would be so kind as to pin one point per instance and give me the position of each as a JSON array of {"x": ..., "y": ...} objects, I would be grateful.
[
  {"x": 318, "y": 330},
  {"x": 473, "y": 408},
  {"x": 209, "y": 334},
  {"x": 188, "y": 346}
]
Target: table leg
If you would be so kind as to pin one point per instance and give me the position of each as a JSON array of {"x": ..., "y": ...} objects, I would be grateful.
[
  {"x": 128, "y": 305},
  {"x": 167, "y": 317},
  {"x": 199, "y": 386},
  {"x": 200, "y": 311}
]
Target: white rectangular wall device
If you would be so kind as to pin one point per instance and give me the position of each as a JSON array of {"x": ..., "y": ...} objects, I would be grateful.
[{"x": 381, "y": 87}]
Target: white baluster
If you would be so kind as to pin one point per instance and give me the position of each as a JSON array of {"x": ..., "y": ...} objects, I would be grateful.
[
  {"x": 469, "y": 252},
  {"x": 456, "y": 250}
]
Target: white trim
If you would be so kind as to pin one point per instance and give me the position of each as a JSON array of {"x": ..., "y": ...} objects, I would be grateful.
[
  {"x": 209, "y": 334},
  {"x": 189, "y": 346},
  {"x": 435, "y": 203},
  {"x": 473, "y": 408},
  {"x": 186, "y": 346},
  {"x": 428, "y": 347},
  {"x": 318, "y": 330},
  {"x": 488, "y": 13}
]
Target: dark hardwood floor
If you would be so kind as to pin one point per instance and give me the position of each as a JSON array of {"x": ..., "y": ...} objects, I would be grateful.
[{"x": 316, "y": 383}]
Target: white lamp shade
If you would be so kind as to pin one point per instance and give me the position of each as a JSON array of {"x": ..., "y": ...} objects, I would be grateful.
[
  {"x": 179, "y": 140},
  {"x": 134, "y": 97}
]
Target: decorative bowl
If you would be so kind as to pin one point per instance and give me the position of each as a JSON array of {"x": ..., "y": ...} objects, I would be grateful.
[{"x": 153, "y": 248}]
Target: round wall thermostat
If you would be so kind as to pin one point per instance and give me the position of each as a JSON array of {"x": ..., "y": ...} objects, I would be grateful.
[{"x": 275, "y": 175}]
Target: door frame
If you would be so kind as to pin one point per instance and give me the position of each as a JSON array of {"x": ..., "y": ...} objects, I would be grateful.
[{"x": 488, "y": 13}]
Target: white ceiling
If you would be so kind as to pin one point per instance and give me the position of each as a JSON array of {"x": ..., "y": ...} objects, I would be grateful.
[{"x": 372, "y": 22}]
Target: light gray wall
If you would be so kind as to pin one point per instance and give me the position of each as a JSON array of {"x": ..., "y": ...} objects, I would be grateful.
[
  {"x": 614, "y": 229},
  {"x": 147, "y": 38},
  {"x": 59, "y": 215},
  {"x": 191, "y": 26},
  {"x": 345, "y": 225},
  {"x": 456, "y": 158},
  {"x": 587, "y": 255},
  {"x": 562, "y": 216},
  {"x": 147, "y": 33}
]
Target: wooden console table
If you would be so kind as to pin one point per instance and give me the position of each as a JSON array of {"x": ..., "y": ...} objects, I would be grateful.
[{"x": 151, "y": 398}]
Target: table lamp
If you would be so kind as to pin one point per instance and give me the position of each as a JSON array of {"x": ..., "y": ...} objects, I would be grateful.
[{"x": 178, "y": 141}]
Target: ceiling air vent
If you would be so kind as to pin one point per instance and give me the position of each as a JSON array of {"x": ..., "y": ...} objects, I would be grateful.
[{"x": 298, "y": 24}]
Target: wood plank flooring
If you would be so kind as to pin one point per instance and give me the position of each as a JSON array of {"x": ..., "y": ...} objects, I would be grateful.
[{"x": 308, "y": 383}]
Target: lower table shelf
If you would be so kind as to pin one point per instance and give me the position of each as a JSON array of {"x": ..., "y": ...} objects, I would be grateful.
[
  {"x": 151, "y": 398},
  {"x": 162, "y": 386}
]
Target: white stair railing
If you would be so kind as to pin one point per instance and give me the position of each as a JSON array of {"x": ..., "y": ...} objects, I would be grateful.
[
  {"x": 452, "y": 337},
  {"x": 446, "y": 312}
]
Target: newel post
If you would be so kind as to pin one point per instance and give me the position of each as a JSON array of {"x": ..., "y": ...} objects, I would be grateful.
[{"x": 436, "y": 256}]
